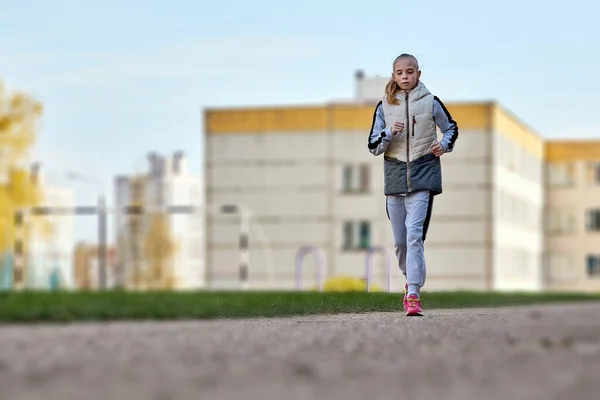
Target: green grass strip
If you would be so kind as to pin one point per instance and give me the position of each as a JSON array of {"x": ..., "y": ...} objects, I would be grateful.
[{"x": 32, "y": 307}]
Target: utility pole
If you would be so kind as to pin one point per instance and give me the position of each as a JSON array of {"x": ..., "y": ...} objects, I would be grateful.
[{"x": 102, "y": 237}]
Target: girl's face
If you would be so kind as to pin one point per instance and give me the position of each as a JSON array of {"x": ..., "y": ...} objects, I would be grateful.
[{"x": 406, "y": 74}]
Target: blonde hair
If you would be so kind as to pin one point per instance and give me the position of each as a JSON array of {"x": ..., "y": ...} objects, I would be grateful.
[{"x": 392, "y": 88}]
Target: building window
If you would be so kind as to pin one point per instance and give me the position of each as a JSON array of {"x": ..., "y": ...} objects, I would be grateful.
[
  {"x": 593, "y": 265},
  {"x": 347, "y": 235},
  {"x": 356, "y": 178},
  {"x": 560, "y": 267},
  {"x": 593, "y": 220},
  {"x": 356, "y": 235},
  {"x": 365, "y": 177},
  {"x": 560, "y": 221},
  {"x": 560, "y": 174},
  {"x": 347, "y": 178},
  {"x": 593, "y": 173},
  {"x": 364, "y": 229}
]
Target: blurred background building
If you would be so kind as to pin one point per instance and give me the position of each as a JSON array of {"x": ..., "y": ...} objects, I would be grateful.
[
  {"x": 86, "y": 266},
  {"x": 308, "y": 178},
  {"x": 158, "y": 250},
  {"x": 49, "y": 238},
  {"x": 573, "y": 215},
  {"x": 50, "y": 262}
]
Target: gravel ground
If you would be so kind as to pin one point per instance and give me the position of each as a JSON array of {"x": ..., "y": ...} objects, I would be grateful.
[{"x": 542, "y": 352}]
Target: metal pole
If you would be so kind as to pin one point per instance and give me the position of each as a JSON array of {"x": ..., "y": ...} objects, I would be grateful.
[
  {"x": 7, "y": 262},
  {"x": 19, "y": 257},
  {"x": 101, "y": 242},
  {"x": 244, "y": 248}
]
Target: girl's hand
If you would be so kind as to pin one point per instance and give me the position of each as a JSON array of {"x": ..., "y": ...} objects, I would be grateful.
[
  {"x": 437, "y": 149},
  {"x": 397, "y": 128}
]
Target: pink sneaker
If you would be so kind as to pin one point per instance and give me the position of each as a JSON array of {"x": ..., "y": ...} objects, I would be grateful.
[
  {"x": 405, "y": 294},
  {"x": 414, "y": 306}
]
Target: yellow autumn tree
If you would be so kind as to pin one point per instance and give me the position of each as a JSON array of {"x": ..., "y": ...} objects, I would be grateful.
[
  {"x": 159, "y": 248},
  {"x": 146, "y": 243},
  {"x": 81, "y": 257},
  {"x": 19, "y": 116}
]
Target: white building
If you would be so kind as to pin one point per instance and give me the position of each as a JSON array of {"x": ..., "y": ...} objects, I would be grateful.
[
  {"x": 368, "y": 89},
  {"x": 50, "y": 254},
  {"x": 167, "y": 182}
]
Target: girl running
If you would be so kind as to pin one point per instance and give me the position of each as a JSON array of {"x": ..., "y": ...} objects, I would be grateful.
[{"x": 404, "y": 131}]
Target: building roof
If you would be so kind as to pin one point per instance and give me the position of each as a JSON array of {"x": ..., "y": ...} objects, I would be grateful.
[
  {"x": 338, "y": 116},
  {"x": 357, "y": 115},
  {"x": 572, "y": 150}
]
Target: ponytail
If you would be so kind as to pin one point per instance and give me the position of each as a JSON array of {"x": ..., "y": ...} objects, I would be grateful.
[{"x": 391, "y": 90}]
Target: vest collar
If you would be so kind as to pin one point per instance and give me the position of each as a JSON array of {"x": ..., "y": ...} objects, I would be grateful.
[{"x": 418, "y": 92}]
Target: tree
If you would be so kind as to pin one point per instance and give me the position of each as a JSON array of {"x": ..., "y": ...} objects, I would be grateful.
[
  {"x": 146, "y": 244},
  {"x": 160, "y": 248},
  {"x": 81, "y": 257},
  {"x": 19, "y": 187}
]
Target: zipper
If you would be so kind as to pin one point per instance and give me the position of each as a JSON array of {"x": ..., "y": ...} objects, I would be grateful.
[{"x": 408, "y": 134}]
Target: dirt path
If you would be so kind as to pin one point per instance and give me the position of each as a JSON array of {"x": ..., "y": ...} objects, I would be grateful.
[{"x": 549, "y": 352}]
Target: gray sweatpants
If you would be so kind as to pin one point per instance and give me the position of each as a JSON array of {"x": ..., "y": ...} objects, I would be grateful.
[{"x": 410, "y": 216}]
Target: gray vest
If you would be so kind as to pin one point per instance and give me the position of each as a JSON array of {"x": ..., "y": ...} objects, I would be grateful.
[{"x": 409, "y": 164}]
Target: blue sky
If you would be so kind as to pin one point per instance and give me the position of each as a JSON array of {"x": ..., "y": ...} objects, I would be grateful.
[{"x": 111, "y": 71}]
